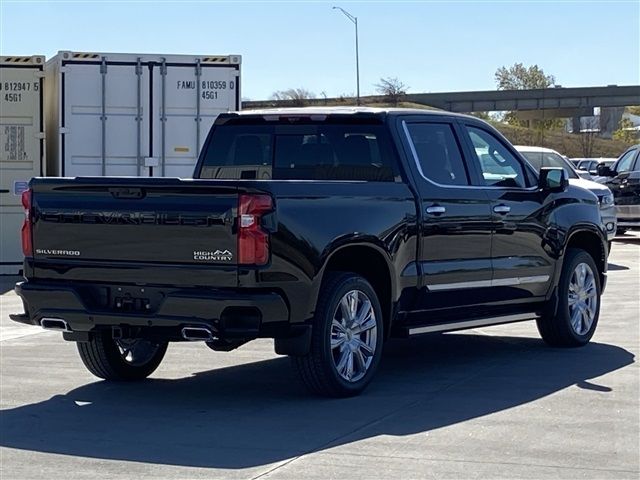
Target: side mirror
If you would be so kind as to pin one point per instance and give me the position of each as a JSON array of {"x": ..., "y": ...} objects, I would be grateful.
[
  {"x": 605, "y": 171},
  {"x": 553, "y": 179}
]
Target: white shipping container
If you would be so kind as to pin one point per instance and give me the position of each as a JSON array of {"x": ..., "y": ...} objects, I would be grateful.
[
  {"x": 21, "y": 147},
  {"x": 126, "y": 114}
]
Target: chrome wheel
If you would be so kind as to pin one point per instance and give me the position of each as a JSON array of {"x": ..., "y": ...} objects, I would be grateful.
[
  {"x": 583, "y": 298},
  {"x": 353, "y": 335},
  {"x": 136, "y": 351}
]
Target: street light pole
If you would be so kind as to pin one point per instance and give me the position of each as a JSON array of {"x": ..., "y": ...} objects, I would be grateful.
[{"x": 354, "y": 20}]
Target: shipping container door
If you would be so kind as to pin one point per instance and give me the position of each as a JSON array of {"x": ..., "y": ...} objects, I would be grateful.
[
  {"x": 21, "y": 151},
  {"x": 106, "y": 120},
  {"x": 188, "y": 97}
]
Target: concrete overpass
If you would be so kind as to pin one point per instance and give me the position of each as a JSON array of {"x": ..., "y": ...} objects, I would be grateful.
[
  {"x": 531, "y": 105},
  {"x": 558, "y": 99}
]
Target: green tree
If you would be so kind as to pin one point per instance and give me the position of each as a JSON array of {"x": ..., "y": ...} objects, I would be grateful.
[
  {"x": 520, "y": 77},
  {"x": 625, "y": 131}
]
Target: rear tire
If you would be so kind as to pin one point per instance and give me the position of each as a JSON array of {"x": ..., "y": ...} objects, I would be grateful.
[
  {"x": 123, "y": 359},
  {"x": 346, "y": 338},
  {"x": 578, "y": 310}
]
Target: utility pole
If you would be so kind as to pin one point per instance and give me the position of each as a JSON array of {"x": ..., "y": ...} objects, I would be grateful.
[{"x": 354, "y": 20}]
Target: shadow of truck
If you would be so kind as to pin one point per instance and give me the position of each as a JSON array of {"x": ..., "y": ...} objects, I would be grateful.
[{"x": 255, "y": 414}]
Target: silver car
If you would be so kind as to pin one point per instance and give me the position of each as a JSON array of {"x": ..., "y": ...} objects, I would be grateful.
[{"x": 545, "y": 157}]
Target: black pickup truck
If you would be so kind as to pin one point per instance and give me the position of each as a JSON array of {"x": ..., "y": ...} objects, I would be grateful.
[
  {"x": 329, "y": 230},
  {"x": 623, "y": 178}
]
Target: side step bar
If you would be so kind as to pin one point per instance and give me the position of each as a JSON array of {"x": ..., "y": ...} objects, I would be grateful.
[{"x": 480, "y": 322}]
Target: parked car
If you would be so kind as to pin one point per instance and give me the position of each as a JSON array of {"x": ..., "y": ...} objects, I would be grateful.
[
  {"x": 541, "y": 157},
  {"x": 329, "y": 230},
  {"x": 623, "y": 178},
  {"x": 591, "y": 165}
]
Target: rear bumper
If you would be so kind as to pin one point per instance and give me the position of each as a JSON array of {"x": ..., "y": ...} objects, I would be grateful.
[{"x": 229, "y": 313}]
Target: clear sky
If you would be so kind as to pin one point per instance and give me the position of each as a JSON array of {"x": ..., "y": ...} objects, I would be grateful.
[{"x": 430, "y": 46}]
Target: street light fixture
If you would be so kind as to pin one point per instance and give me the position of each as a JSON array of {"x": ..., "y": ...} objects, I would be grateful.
[{"x": 354, "y": 20}]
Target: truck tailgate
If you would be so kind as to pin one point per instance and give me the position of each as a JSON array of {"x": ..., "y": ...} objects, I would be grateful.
[{"x": 133, "y": 223}]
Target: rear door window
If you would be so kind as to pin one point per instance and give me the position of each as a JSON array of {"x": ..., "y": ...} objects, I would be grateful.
[
  {"x": 438, "y": 153},
  {"x": 301, "y": 152}
]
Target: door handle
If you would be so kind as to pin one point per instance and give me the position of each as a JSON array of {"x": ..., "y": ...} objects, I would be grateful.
[
  {"x": 502, "y": 209},
  {"x": 436, "y": 210}
]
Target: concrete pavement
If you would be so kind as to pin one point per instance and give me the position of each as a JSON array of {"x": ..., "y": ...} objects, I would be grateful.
[{"x": 488, "y": 403}]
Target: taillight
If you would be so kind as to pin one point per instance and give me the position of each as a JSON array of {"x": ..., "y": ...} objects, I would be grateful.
[
  {"x": 253, "y": 240},
  {"x": 27, "y": 242}
]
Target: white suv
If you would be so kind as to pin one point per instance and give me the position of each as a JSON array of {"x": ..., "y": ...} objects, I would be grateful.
[{"x": 545, "y": 157}]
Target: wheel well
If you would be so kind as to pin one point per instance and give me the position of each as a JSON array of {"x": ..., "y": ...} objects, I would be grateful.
[
  {"x": 370, "y": 264},
  {"x": 591, "y": 244}
]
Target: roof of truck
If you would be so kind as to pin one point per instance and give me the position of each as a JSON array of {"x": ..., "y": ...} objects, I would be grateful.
[{"x": 346, "y": 110}]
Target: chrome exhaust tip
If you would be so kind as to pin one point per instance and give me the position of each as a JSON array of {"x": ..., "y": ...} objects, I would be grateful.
[
  {"x": 197, "y": 334},
  {"x": 55, "y": 324}
]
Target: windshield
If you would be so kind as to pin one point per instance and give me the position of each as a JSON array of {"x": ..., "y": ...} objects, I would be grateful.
[{"x": 549, "y": 159}]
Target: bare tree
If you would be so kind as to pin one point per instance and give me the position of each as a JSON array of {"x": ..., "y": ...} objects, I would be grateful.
[
  {"x": 392, "y": 88},
  {"x": 297, "y": 97},
  {"x": 589, "y": 130}
]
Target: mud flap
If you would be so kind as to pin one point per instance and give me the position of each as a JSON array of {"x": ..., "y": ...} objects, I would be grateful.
[{"x": 298, "y": 344}]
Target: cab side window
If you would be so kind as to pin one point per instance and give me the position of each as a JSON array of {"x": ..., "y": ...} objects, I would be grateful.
[{"x": 498, "y": 166}]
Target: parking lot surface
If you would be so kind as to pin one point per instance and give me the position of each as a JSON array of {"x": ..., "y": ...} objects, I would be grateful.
[{"x": 487, "y": 403}]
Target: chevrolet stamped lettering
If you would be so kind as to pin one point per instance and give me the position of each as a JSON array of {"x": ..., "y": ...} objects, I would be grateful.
[
  {"x": 65, "y": 253},
  {"x": 130, "y": 218}
]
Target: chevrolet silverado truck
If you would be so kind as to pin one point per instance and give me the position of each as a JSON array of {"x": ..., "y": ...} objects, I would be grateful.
[{"x": 328, "y": 230}]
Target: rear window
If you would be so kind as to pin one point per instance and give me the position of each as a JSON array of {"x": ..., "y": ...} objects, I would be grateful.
[
  {"x": 549, "y": 159},
  {"x": 300, "y": 152}
]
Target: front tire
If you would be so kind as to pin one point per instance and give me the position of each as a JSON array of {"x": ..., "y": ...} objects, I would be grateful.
[
  {"x": 121, "y": 359},
  {"x": 346, "y": 338},
  {"x": 578, "y": 310}
]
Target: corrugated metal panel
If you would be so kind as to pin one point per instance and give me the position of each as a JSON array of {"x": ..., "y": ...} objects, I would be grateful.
[
  {"x": 21, "y": 147},
  {"x": 130, "y": 114}
]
